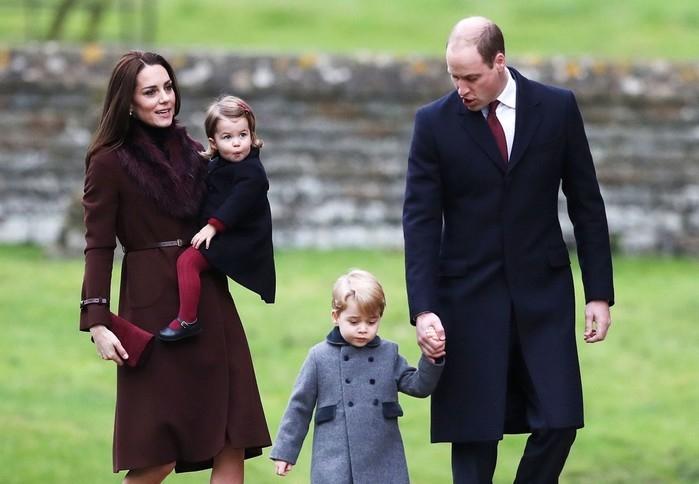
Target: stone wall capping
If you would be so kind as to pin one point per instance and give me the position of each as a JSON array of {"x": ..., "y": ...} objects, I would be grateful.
[{"x": 337, "y": 130}]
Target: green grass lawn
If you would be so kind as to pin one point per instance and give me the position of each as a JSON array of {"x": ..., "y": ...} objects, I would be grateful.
[
  {"x": 57, "y": 397},
  {"x": 631, "y": 29}
]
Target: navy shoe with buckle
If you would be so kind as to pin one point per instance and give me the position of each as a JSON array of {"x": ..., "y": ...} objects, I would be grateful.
[{"x": 182, "y": 331}]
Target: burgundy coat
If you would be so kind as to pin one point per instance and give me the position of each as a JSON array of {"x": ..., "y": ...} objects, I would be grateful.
[{"x": 190, "y": 397}]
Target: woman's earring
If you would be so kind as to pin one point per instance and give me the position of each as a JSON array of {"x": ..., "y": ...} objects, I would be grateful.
[{"x": 130, "y": 113}]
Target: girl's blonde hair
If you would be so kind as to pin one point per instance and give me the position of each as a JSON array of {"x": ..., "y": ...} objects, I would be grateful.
[
  {"x": 229, "y": 107},
  {"x": 364, "y": 288}
]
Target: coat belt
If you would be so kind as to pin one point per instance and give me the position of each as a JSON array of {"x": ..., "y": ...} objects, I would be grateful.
[{"x": 156, "y": 245}]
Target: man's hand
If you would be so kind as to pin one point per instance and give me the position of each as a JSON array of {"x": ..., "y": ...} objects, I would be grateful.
[
  {"x": 430, "y": 335},
  {"x": 204, "y": 235},
  {"x": 597, "y": 321}
]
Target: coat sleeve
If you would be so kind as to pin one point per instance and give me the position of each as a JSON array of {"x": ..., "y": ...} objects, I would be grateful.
[
  {"x": 422, "y": 219},
  {"x": 297, "y": 417},
  {"x": 100, "y": 203},
  {"x": 586, "y": 210},
  {"x": 249, "y": 188},
  {"x": 417, "y": 382}
]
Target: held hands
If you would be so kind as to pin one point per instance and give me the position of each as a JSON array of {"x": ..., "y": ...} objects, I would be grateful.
[
  {"x": 282, "y": 468},
  {"x": 430, "y": 335},
  {"x": 597, "y": 321},
  {"x": 204, "y": 235},
  {"x": 108, "y": 345}
]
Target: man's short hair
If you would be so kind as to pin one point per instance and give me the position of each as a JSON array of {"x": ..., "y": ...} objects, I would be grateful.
[{"x": 489, "y": 42}]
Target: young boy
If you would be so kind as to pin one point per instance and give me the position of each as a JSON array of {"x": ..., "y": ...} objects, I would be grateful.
[{"x": 352, "y": 380}]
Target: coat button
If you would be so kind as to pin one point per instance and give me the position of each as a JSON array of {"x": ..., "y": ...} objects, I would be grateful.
[
  {"x": 346, "y": 358},
  {"x": 372, "y": 381},
  {"x": 376, "y": 401},
  {"x": 350, "y": 404},
  {"x": 347, "y": 380},
  {"x": 371, "y": 359}
]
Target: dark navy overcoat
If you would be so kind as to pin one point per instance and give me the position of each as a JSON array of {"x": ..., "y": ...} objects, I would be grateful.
[
  {"x": 485, "y": 252},
  {"x": 237, "y": 196}
]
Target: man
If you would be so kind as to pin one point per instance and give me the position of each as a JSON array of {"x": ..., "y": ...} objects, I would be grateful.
[{"x": 486, "y": 265}]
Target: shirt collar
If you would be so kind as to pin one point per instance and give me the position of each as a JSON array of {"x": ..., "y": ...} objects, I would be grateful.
[{"x": 508, "y": 96}]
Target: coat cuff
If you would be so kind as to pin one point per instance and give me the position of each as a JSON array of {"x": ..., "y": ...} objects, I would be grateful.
[
  {"x": 431, "y": 372},
  {"x": 593, "y": 297},
  {"x": 217, "y": 224},
  {"x": 280, "y": 454},
  {"x": 94, "y": 314},
  {"x": 426, "y": 365}
]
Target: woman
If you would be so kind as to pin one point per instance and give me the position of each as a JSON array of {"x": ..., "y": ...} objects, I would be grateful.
[{"x": 191, "y": 405}]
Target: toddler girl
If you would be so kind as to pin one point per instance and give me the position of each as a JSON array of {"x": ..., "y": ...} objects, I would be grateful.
[{"x": 237, "y": 237}]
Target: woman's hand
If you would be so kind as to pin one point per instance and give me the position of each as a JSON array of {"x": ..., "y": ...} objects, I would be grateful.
[
  {"x": 204, "y": 235},
  {"x": 282, "y": 468},
  {"x": 108, "y": 345}
]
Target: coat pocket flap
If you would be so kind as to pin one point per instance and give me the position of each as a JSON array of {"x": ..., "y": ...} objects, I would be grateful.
[
  {"x": 392, "y": 410},
  {"x": 325, "y": 414},
  {"x": 558, "y": 257}
]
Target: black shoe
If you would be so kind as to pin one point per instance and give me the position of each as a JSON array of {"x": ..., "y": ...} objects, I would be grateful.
[{"x": 185, "y": 330}]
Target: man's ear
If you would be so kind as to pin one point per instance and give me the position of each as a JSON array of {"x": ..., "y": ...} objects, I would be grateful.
[{"x": 499, "y": 59}]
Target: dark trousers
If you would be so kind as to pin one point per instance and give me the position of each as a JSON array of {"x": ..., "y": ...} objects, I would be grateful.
[
  {"x": 545, "y": 453},
  {"x": 542, "y": 462}
]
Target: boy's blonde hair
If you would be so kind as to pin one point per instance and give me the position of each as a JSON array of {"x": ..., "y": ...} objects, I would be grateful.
[
  {"x": 364, "y": 288},
  {"x": 230, "y": 107}
]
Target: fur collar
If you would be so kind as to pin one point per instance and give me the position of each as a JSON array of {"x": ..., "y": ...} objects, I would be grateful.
[{"x": 166, "y": 165}]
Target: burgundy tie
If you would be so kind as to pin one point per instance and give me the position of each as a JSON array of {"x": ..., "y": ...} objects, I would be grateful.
[{"x": 496, "y": 129}]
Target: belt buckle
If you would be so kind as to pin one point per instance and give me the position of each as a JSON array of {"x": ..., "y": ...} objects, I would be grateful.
[{"x": 180, "y": 243}]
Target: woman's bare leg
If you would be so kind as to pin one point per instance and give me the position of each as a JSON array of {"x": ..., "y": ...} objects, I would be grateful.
[
  {"x": 149, "y": 475},
  {"x": 228, "y": 466}
]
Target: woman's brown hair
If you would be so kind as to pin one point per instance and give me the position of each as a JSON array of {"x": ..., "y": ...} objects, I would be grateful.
[{"x": 115, "y": 120}]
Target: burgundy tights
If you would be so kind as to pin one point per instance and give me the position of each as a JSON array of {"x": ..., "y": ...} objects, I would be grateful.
[{"x": 190, "y": 264}]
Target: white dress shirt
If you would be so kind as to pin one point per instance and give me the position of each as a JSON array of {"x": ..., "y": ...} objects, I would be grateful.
[{"x": 506, "y": 110}]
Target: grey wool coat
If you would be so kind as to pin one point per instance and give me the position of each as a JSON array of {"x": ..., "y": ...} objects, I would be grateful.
[{"x": 354, "y": 392}]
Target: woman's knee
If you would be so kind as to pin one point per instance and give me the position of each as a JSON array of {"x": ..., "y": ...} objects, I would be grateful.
[
  {"x": 228, "y": 466},
  {"x": 165, "y": 469},
  {"x": 148, "y": 475}
]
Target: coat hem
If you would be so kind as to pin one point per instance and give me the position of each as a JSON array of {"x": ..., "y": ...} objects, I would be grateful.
[
  {"x": 446, "y": 440},
  {"x": 182, "y": 466}
]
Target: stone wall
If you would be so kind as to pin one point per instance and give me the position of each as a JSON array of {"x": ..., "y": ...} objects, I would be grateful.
[{"x": 337, "y": 131}]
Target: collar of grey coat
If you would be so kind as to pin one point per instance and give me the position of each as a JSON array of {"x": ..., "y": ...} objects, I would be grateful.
[{"x": 334, "y": 337}]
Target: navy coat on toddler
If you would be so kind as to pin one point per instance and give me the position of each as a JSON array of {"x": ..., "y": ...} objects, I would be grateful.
[
  {"x": 354, "y": 392},
  {"x": 237, "y": 196}
]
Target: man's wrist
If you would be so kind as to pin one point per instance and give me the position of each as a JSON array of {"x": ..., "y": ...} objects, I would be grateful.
[{"x": 420, "y": 315}]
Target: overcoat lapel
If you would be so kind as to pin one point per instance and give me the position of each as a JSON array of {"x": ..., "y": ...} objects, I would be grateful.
[
  {"x": 527, "y": 119},
  {"x": 477, "y": 127}
]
